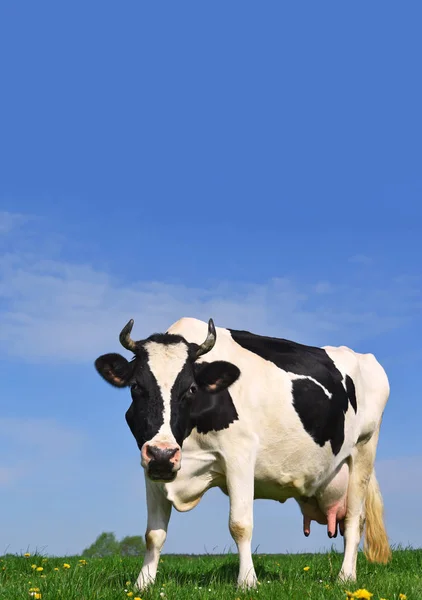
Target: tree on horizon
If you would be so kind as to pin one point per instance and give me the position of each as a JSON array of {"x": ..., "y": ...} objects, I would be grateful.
[{"x": 106, "y": 544}]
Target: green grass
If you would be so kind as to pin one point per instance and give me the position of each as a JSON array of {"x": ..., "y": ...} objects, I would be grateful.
[{"x": 185, "y": 577}]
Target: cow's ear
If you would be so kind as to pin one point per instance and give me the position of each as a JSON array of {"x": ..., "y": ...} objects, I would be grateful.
[
  {"x": 216, "y": 376},
  {"x": 115, "y": 369}
]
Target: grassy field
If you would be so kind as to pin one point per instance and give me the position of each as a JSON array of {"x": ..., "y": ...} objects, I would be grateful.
[{"x": 185, "y": 577}]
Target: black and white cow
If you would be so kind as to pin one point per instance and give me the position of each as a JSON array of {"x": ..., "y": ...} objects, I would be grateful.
[{"x": 258, "y": 417}]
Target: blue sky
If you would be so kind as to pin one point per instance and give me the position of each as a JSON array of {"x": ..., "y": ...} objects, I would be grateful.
[{"x": 257, "y": 163}]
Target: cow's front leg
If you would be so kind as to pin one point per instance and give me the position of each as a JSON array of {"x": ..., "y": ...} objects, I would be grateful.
[
  {"x": 240, "y": 487},
  {"x": 159, "y": 509}
]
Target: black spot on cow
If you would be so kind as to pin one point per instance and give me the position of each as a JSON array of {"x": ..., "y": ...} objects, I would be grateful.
[
  {"x": 145, "y": 415},
  {"x": 212, "y": 412},
  {"x": 351, "y": 392},
  {"x": 194, "y": 405},
  {"x": 322, "y": 416}
]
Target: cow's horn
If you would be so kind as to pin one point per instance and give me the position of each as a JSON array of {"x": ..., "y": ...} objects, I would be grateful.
[
  {"x": 209, "y": 342},
  {"x": 125, "y": 339}
]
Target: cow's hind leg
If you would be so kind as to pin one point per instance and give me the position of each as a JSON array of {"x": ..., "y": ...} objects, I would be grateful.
[
  {"x": 364, "y": 502},
  {"x": 159, "y": 510},
  {"x": 240, "y": 487}
]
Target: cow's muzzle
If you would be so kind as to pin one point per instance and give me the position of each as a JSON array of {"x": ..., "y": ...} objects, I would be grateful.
[{"x": 161, "y": 461}]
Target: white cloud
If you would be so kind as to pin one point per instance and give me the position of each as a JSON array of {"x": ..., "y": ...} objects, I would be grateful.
[
  {"x": 54, "y": 310},
  {"x": 324, "y": 287},
  {"x": 9, "y": 221}
]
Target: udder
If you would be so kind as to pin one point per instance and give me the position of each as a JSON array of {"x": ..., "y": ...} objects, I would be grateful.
[{"x": 329, "y": 505}]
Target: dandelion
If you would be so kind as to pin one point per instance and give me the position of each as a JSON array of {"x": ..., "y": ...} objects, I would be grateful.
[
  {"x": 34, "y": 590},
  {"x": 33, "y": 566},
  {"x": 27, "y": 554},
  {"x": 37, "y": 596},
  {"x": 402, "y": 597},
  {"x": 66, "y": 566},
  {"x": 130, "y": 594},
  {"x": 39, "y": 569},
  {"x": 362, "y": 594},
  {"x": 56, "y": 568},
  {"x": 137, "y": 598},
  {"x": 306, "y": 568},
  {"x": 82, "y": 562}
]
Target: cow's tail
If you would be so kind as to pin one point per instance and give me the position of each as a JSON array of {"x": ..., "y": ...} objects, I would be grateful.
[{"x": 376, "y": 545}]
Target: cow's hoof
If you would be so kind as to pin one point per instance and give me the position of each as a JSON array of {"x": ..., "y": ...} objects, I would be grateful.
[
  {"x": 143, "y": 582},
  {"x": 248, "y": 583},
  {"x": 344, "y": 577}
]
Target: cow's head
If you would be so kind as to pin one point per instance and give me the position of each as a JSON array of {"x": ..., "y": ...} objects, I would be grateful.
[{"x": 171, "y": 394}]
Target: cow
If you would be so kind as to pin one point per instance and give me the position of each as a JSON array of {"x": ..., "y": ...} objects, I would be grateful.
[{"x": 257, "y": 417}]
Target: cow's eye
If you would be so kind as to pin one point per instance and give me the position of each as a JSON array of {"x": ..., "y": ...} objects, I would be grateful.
[
  {"x": 193, "y": 389},
  {"x": 135, "y": 387}
]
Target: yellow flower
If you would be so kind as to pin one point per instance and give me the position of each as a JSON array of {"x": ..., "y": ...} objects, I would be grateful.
[
  {"x": 306, "y": 568},
  {"x": 129, "y": 594},
  {"x": 137, "y": 598},
  {"x": 27, "y": 555},
  {"x": 66, "y": 566},
  {"x": 402, "y": 597},
  {"x": 34, "y": 566},
  {"x": 362, "y": 594},
  {"x": 56, "y": 568},
  {"x": 34, "y": 590},
  {"x": 82, "y": 562},
  {"x": 37, "y": 596},
  {"x": 40, "y": 568},
  {"x": 127, "y": 583}
]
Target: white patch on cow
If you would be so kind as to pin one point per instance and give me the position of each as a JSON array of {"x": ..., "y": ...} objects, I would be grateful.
[
  {"x": 294, "y": 376},
  {"x": 166, "y": 361}
]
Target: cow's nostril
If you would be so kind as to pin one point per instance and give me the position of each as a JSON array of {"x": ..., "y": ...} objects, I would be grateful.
[
  {"x": 153, "y": 453},
  {"x": 160, "y": 454}
]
